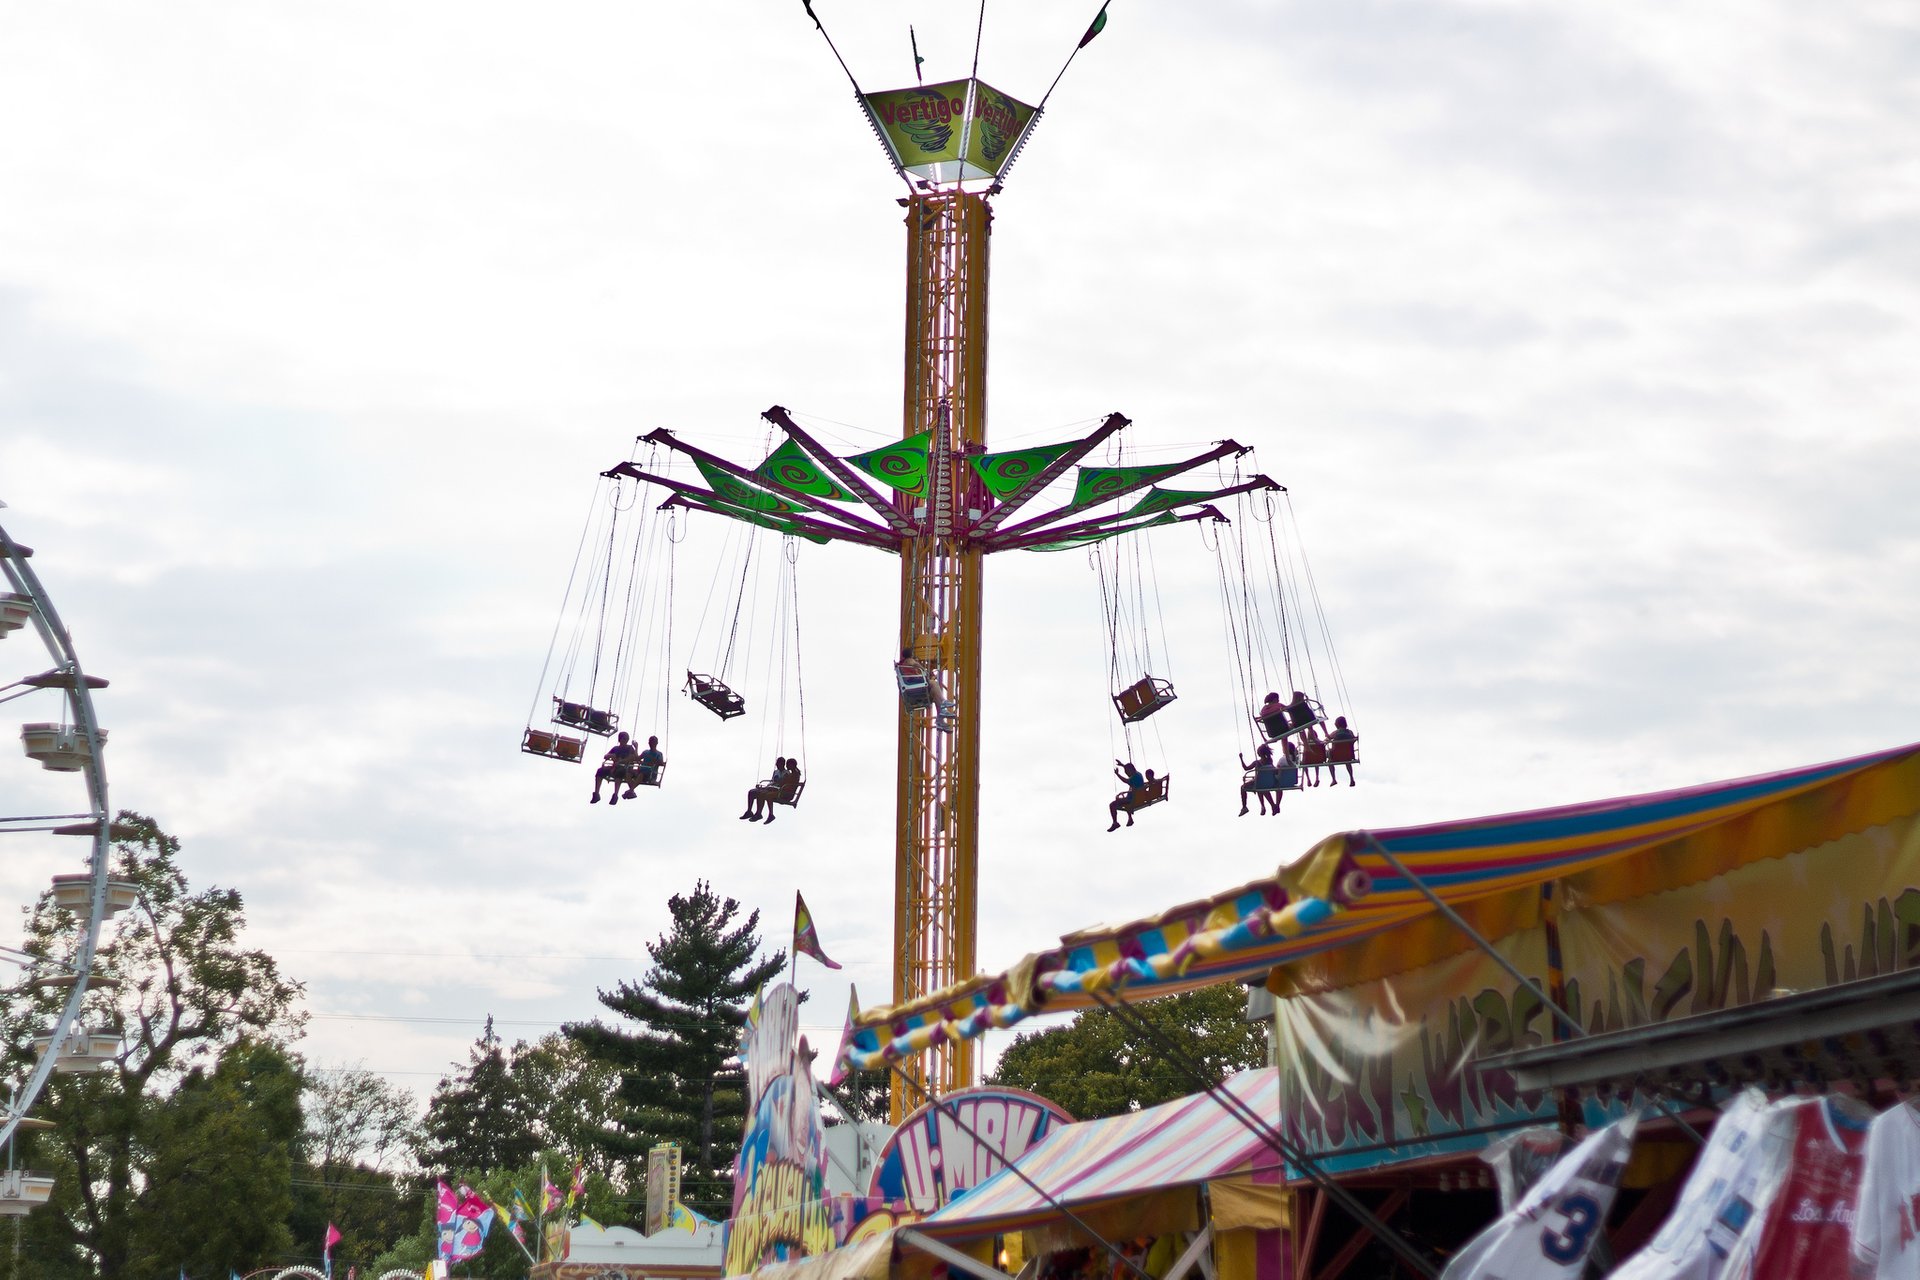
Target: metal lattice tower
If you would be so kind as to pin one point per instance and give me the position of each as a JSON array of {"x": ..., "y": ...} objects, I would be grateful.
[{"x": 936, "y": 837}]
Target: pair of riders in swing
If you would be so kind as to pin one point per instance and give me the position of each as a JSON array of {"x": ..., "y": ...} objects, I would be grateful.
[{"x": 626, "y": 765}]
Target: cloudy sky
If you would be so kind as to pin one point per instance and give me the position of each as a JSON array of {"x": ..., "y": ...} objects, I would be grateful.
[{"x": 1582, "y": 336}]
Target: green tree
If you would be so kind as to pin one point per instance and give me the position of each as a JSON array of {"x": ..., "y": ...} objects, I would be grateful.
[
  {"x": 1097, "y": 1065},
  {"x": 479, "y": 1119},
  {"x": 569, "y": 1099},
  {"x": 217, "y": 1159},
  {"x": 361, "y": 1131},
  {"x": 675, "y": 1084},
  {"x": 184, "y": 992}
]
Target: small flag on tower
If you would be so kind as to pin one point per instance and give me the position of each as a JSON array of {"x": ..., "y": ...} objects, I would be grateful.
[
  {"x": 326, "y": 1250},
  {"x": 1099, "y": 25},
  {"x": 805, "y": 940}
]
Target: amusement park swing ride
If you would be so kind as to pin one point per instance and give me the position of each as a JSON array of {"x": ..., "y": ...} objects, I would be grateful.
[{"x": 942, "y": 501}]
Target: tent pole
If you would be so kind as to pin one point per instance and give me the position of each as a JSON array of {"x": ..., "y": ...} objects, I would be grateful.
[{"x": 1454, "y": 918}]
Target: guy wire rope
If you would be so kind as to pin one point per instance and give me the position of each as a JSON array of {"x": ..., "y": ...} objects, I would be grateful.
[{"x": 560, "y": 618}]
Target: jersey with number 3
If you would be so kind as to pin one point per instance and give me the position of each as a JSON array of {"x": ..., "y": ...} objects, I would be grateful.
[{"x": 1548, "y": 1235}]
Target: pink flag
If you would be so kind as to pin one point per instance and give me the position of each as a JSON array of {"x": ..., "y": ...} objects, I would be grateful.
[
  {"x": 805, "y": 940},
  {"x": 333, "y": 1238}
]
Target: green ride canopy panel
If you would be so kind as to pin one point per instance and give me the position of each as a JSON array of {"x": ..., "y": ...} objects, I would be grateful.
[
  {"x": 902, "y": 465},
  {"x": 1103, "y": 482},
  {"x": 1101, "y": 535},
  {"x": 789, "y": 465},
  {"x": 1005, "y": 473},
  {"x": 1157, "y": 499},
  {"x": 736, "y": 492}
]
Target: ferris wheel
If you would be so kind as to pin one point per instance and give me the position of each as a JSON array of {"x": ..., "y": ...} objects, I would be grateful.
[{"x": 49, "y": 679}]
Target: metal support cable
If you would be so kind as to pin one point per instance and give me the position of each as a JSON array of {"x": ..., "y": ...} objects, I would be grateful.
[
  {"x": 1513, "y": 971},
  {"x": 953, "y": 1113},
  {"x": 1116, "y": 1003}
]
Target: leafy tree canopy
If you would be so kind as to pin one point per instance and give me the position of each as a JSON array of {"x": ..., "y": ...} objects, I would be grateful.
[
  {"x": 1097, "y": 1065},
  {"x": 185, "y": 997}
]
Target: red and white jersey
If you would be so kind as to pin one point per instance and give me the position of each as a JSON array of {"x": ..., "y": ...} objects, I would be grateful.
[
  {"x": 1886, "y": 1221},
  {"x": 1805, "y": 1228},
  {"x": 1733, "y": 1175},
  {"x": 1550, "y": 1232}
]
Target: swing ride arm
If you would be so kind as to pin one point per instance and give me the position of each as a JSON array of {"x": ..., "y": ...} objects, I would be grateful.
[
  {"x": 694, "y": 498},
  {"x": 840, "y": 471},
  {"x": 1115, "y": 523},
  {"x": 1221, "y": 450},
  {"x": 803, "y": 500},
  {"x": 987, "y": 523}
]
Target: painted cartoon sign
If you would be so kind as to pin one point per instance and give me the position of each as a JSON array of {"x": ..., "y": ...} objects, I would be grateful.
[
  {"x": 959, "y": 1142},
  {"x": 780, "y": 1178}
]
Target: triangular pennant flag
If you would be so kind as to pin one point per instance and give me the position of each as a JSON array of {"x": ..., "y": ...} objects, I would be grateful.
[
  {"x": 805, "y": 940},
  {"x": 841, "y": 1070},
  {"x": 1099, "y": 25}
]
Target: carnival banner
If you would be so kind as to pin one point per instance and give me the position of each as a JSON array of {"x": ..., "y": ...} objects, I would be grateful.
[
  {"x": 958, "y": 1142},
  {"x": 780, "y": 1178},
  {"x": 1379, "y": 1071}
]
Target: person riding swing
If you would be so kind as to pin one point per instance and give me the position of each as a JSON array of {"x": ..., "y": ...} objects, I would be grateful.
[{"x": 620, "y": 767}]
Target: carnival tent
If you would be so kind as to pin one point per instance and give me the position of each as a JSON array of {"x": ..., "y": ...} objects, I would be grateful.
[
  {"x": 1098, "y": 1164},
  {"x": 1355, "y": 886}
]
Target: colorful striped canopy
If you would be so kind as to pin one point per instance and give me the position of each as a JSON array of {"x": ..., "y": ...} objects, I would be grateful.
[
  {"x": 1085, "y": 1165},
  {"x": 1343, "y": 891}
]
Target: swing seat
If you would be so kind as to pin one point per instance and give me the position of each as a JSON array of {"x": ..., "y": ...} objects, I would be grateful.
[
  {"x": 1142, "y": 698},
  {"x": 1341, "y": 751},
  {"x": 1289, "y": 781},
  {"x": 15, "y": 609},
  {"x": 543, "y": 742},
  {"x": 714, "y": 695},
  {"x": 1285, "y": 724},
  {"x": 640, "y": 772},
  {"x": 578, "y": 715},
  {"x": 916, "y": 690},
  {"x": 792, "y": 800},
  {"x": 1157, "y": 789}
]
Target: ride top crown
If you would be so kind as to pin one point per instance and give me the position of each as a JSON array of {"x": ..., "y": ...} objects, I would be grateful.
[{"x": 950, "y": 132}]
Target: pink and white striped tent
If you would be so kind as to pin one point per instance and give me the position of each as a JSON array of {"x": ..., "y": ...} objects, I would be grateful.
[{"x": 1096, "y": 1163}]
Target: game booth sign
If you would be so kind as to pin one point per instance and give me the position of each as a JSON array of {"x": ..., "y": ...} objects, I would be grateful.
[{"x": 1453, "y": 1001}]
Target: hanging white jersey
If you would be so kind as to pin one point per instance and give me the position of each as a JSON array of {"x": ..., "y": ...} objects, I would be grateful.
[
  {"x": 1548, "y": 1235},
  {"x": 1736, "y": 1171},
  {"x": 1887, "y": 1216}
]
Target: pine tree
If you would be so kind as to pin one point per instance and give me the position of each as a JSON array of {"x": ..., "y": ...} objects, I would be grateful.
[
  {"x": 675, "y": 1085},
  {"x": 478, "y": 1120}
]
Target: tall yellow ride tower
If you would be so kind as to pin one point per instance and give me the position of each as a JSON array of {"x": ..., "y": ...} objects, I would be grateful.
[
  {"x": 936, "y": 836},
  {"x": 952, "y": 503}
]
